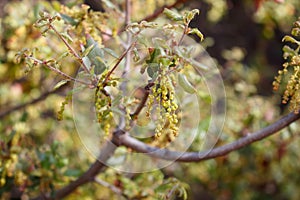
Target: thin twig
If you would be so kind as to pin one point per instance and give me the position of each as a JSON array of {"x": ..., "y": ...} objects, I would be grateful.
[
  {"x": 76, "y": 55},
  {"x": 127, "y": 12},
  {"x": 183, "y": 34},
  {"x": 143, "y": 102},
  {"x": 110, "y": 35},
  {"x": 127, "y": 21},
  {"x": 117, "y": 64},
  {"x": 45, "y": 63},
  {"x": 123, "y": 86}
]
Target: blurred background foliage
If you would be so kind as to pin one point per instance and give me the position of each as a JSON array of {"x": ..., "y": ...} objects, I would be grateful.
[{"x": 39, "y": 154}]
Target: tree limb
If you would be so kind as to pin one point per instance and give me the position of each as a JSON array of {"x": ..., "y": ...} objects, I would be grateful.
[
  {"x": 119, "y": 138},
  {"x": 165, "y": 154}
]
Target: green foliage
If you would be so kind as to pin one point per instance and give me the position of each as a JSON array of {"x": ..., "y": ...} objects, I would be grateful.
[
  {"x": 151, "y": 185},
  {"x": 29, "y": 169},
  {"x": 186, "y": 18},
  {"x": 94, "y": 54}
]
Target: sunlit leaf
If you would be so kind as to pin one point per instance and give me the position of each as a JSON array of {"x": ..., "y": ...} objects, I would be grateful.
[
  {"x": 197, "y": 32},
  {"x": 60, "y": 83},
  {"x": 67, "y": 37},
  {"x": 173, "y": 15},
  {"x": 288, "y": 38},
  {"x": 111, "y": 52},
  {"x": 72, "y": 172},
  {"x": 87, "y": 50},
  {"x": 68, "y": 19},
  {"x": 185, "y": 84},
  {"x": 95, "y": 55},
  {"x": 191, "y": 14},
  {"x": 152, "y": 69}
]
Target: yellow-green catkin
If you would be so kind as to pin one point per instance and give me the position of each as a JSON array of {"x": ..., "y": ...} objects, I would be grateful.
[
  {"x": 292, "y": 90},
  {"x": 163, "y": 94},
  {"x": 60, "y": 113},
  {"x": 104, "y": 113}
]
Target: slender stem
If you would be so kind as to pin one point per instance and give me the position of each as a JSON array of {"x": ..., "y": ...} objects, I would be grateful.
[
  {"x": 106, "y": 33},
  {"x": 118, "y": 62},
  {"x": 76, "y": 55},
  {"x": 143, "y": 102},
  {"x": 127, "y": 21},
  {"x": 127, "y": 12},
  {"x": 44, "y": 63},
  {"x": 183, "y": 34}
]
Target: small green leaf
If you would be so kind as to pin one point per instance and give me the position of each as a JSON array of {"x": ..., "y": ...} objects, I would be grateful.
[
  {"x": 288, "y": 50},
  {"x": 72, "y": 172},
  {"x": 86, "y": 61},
  {"x": 145, "y": 24},
  {"x": 100, "y": 66},
  {"x": 197, "y": 32},
  {"x": 173, "y": 15},
  {"x": 68, "y": 19},
  {"x": 44, "y": 31},
  {"x": 154, "y": 53},
  {"x": 42, "y": 14},
  {"x": 290, "y": 39},
  {"x": 60, "y": 83},
  {"x": 136, "y": 56},
  {"x": 143, "y": 68},
  {"x": 204, "y": 97},
  {"x": 88, "y": 50},
  {"x": 152, "y": 69},
  {"x": 95, "y": 55},
  {"x": 158, "y": 41},
  {"x": 117, "y": 100},
  {"x": 111, "y": 52},
  {"x": 108, "y": 4},
  {"x": 185, "y": 84},
  {"x": 295, "y": 31},
  {"x": 165, "y": 61},
  {"x": 67, "y": 37},
  {"x": 65, "y": 54},
  {"x": 188, "y": 16}
]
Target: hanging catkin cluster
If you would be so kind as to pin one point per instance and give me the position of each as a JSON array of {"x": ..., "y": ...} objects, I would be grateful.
[
  {"x": 163, "y": 95},
  {"x": 291, "y": 71},
  {"x": 103, "y": 104}
]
